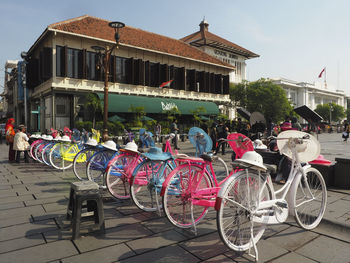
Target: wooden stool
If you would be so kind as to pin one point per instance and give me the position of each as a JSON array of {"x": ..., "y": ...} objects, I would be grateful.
[{"x": 81, "y": 192}]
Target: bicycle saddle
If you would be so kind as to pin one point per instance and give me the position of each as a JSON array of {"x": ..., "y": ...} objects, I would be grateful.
[{"x": 209, "y": 157}]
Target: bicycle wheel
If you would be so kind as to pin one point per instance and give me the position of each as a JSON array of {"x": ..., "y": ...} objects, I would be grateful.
[
  {"x": 33, "y": 147},
  {"x": 310, "y": 199},
  {"x": 185, "y": 180},
  {"x": 235, "y": 218},
  {"x": 38, "y": 152},
  {"x": 119, "y": 174},
  {"x": 57, "y": 156},
  {"x": 96, "y": 166},
  {"x": 46, "y": 153},
  {"x": 147, "y": 180},
  {"x": 220, "y": 168},
  {"x": 80, "y": 162}
]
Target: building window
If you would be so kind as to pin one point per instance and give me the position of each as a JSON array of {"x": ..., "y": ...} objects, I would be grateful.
[
  {"x": 91, "y": 65},
  {"x": 60, "y": 61},
  {"x": 74, "y": 65},
  {"x": 121, "y": 70}
]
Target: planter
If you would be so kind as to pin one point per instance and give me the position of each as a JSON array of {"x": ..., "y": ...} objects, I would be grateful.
[
  {"x": 327, "y": 172},
  {"x": 341, "y": 173}
]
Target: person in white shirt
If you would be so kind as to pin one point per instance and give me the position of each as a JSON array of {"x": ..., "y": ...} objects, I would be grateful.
[{"x": 20, "y": 143}]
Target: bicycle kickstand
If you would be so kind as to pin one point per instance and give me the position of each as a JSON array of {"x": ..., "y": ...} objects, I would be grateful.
[
  {"x": 192, "y": 217},
  {"x": 254, "y": 255}
]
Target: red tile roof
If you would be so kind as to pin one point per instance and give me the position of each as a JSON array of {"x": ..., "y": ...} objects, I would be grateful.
[
  {"x": 207, "y": 37},
  {"x": 98, "y": 28}
]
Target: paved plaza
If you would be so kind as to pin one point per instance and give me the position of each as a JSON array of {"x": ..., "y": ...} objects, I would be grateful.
[{"x": 33, "y": 228}]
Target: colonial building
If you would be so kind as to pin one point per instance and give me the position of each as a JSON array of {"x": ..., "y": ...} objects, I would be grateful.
[
  {"x": 302, "y": 93},
  {"x": 10, "y": 89},
  {"x": 63, "y": 67},
  {"x": 222, "y": 49}
]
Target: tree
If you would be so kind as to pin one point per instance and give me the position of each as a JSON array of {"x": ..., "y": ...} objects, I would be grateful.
[
  {"x": 139, "y": 112},
  {"x": 93, "y": 105},
  {"x": 262, "y": 96},
  {"x": 331, "y": 112},
  {"x": 197, "y": 114}
]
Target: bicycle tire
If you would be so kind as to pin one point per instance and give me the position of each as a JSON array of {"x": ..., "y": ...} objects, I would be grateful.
[
  {"x": 147, "y": 180},
  {"x": 80, "y": 163},
  {"x": 233, "y": 221},
  {"x": 220, "y": 168},
  {"x": 177, "y": 200},
  {"x": 96, "y": 166},
  {"x": 57, "y": 156},
  {"x": 38, "y": 151},
  {"x": 46, "y": 153},
  {"x": 32, "y": 149},
  {"x": 308, "y": 211},
  {"x": 119, "y": 173}
]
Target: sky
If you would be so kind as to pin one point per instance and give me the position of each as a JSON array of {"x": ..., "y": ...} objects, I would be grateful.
[{"x": 295, "y": 39}]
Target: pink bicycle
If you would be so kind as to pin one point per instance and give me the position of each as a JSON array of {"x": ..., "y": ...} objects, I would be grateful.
[{"x": 191, "y": 188}]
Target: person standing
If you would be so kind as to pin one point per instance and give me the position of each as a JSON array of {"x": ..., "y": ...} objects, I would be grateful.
[
  {"x": 346, "y": 131},
  {"x": 174, "y": 129},
  {"x": 20, "y": 143},
  {"x": 158, "y": 131},
  {"x": 222, "y": 131},
  {"x": 10, "y": 134}
]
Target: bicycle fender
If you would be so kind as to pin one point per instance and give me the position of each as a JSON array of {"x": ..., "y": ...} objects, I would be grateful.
[{"x": 223, "y": 190}]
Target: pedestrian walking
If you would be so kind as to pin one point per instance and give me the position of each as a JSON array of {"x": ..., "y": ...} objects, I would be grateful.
[
  {"x": 10, "y": 134},
  {"x": 174, "y": 129},
  {"x": 20, "y": 143},
  {"x": 222, "y": 131},
  {"x": 346, "y": 131}
]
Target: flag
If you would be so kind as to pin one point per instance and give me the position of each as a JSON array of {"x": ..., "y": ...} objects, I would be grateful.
[
  {"x": 166, "y": 84},
  {"x": 323, "y": 70}
]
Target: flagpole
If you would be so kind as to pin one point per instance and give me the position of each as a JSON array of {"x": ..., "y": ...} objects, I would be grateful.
[{"x": 325, "y": 78}]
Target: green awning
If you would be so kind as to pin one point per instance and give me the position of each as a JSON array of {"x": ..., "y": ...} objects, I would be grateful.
[{"x": 122, "y": 103}]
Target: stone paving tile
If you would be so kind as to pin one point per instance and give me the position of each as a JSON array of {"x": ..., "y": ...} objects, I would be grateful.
[
  {"x": 266, "y": 252},
  {"x": 203, "y": 228},
  {"x": 60, "y": 205},
  {"x": 158, "y": 225},
  {"x": 20, "y": 243},
  {"x": 274, "y": 229},
  {"x": 51, "y": 215},
  {"x": 7, "y": 193},
  {"x": 170, "y": 254},
  {"x": 41, "y": 253},
  {"x": 218, "y": 259},
  {"x": 113, "y": 236},
  {"x": 24, "y": 211},
  {"x": 119, "y": 220},
  {"x": 320, "y": 250},
  {"x": 336, "y": 209},
  {"x": 293, "y": 258},
  {"x": 104, "y": 255},
  {"x": 128, "y": 208},
  {"x": 11, "y": 205},
  {"x": 4, "y": 187},
  {"x": 44, "y": 195},
  {"x": 15, "y": 221},
  {"x": 162, "y": 239},
  {"x": 292, "y": 238},
  {"x": 206, "y": 246},
  {"x": 45, "y": 201},
  {"x": 16, "y": 231}
]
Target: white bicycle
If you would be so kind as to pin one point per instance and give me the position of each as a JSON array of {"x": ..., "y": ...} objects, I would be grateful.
[{"x": 248, "y": 201}]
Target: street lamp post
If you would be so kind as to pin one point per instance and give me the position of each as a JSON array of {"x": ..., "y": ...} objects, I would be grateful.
[{"x": 105, "y": 65}]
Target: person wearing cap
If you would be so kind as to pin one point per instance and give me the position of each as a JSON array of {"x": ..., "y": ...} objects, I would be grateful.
[{"x": 20, "y": 143}]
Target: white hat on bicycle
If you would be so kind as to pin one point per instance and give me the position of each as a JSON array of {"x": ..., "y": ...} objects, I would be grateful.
[
  {"x": 57, "y": 138},
  {"x": 252, "y": 158},
  {"x": 110, "y": 145},
  {"x": 258, "y": 144},
  {"x": 91, "y": 142},
  {"x": 65, "y": 138},
  {"x": 131, "y": 147},
  {"x": 49, "y": 138}
]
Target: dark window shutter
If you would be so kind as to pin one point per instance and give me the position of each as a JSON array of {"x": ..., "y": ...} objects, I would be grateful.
[
  {"x": 80, "y": 64},
  {"x": 164, "y": 73},
  {"x": 172, "y": 77},
  {"x": 65, "y": 62},
  {"x": 130, "y": 71},
  {"x": 84, "y": 68},
  {"x": 206, "y": 82},
  {"x": 211, "y": 82},
  {"x": 191, "y": 80},
  {"x": 226, "y": 84},
  {"x": 182, "y": 79},
  {"x": 218, "y": 84},
  {"x": 147, "y": 74}
]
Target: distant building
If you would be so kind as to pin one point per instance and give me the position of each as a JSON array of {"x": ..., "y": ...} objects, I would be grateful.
[
  {"x": 302, "y": 93},
  {"x": 222, "y": 49},
  {"x": 10, "y": 89}
]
